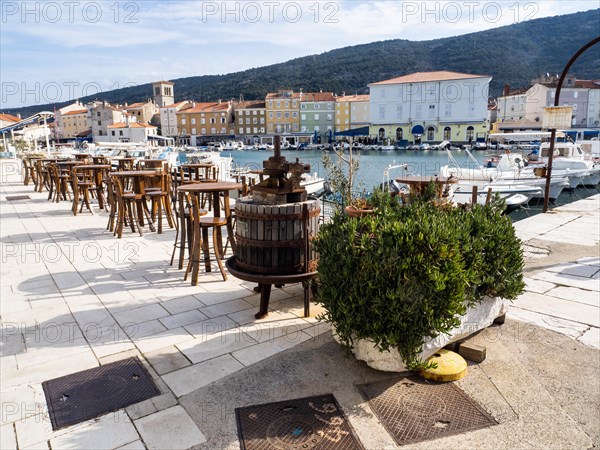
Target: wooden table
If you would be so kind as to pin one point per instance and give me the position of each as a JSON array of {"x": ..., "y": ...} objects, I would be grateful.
[
  {"x": 124, "y": 162},
  {"x": 62, "y": 165},
  {"x": 195, "y": 169},
  {"x": 139, "y": 187},
  {"x": 207, "y": 188},
  {"x": 152, "y": 163}
]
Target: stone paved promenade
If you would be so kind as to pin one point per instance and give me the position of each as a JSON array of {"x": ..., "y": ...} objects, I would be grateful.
[{"x": 73, "y": 297}]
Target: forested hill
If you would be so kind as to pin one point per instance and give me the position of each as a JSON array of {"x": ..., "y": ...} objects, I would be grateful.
[{"x": 512, "y": 54}]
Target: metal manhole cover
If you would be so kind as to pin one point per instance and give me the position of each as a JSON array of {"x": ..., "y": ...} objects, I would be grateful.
[
  {"x": 84, "y": 395},
  {"x": 12, "y": 198},
  {"x": 303, "y": 424},
  {"x": 413, "y": 409}
]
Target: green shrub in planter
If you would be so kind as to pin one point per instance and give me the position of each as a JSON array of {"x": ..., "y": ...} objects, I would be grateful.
[{"x": 409, "y": 272}]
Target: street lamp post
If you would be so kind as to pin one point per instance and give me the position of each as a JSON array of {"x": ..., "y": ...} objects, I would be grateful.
[{"x": 556, "y": 103}]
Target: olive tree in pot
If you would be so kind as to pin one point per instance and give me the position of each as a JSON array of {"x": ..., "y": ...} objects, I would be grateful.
[{"x": 407, "y": 274}]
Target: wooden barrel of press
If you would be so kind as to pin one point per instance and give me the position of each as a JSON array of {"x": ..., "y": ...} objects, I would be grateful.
[{"x": 270, "y": 238}]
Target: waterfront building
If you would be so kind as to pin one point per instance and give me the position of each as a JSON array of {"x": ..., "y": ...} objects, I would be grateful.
[
  {"x": 73, "y": 123},
  {"x": 200, "y": 123},
  {"x": 593, "y": 114},
  {"x": 131, "y": 132},
  {"x": 317, "y": 115},
  {"x": 283, "y": 111},
  {"x": 7, "y": 120},
  {"x": 430, "y": 107},
  {"x": 103, "y": 114},
  {"x": 351, "y": 112},
  {"x": 60, "y": 132},
  {"x": 524, "y": 108},
  {"x": 143, "y": 111},
  {"x": 250, "y": 120},
  {"x": 168, "y": 118}
]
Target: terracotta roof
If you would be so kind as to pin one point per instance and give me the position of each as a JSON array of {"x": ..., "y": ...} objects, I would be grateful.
[
  {"x": 422, "y": 77},
  {"x": 77, "y": 111},
  {"x": 9, "y": 118},
  {"x": 590, "y": 84},
  {"x": 174, "y": 105},
  {"x": 250, "y": 104},
  {"x": 354, "y": 98},
  {"x": 517, "y": 92},
  {"x": 135, "y": 105},
  {"x": 206, "y": 107},
  {"x": 318, "y": 97},
  {"x": 277, "y": 95}
]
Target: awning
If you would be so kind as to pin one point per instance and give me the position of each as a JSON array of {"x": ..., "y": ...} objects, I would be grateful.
[
  {"x": 362, "y": 131},
  {"x": 417, "y": 129},
  {"x": 159, "y": 138}
]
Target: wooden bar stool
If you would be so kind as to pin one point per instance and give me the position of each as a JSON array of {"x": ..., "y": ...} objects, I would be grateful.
[
  {"x": 160, "y": 201},
  {"x": 201, "y": 226},
  {"x": 126, "y": 209}
]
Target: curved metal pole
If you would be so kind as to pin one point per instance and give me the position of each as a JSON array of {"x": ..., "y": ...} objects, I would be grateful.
[{"x": 556, "y": 101}]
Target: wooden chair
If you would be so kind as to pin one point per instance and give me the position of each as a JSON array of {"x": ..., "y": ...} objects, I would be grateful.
[
  {"x": 61, "y": 182},
  {"x": 82, "y": 183},
  {"x": 201, "y": 226},
  {"x": 184, "y": 232},
  {"x": 29, "y": 172},
  {"x": 161, "y": 201},
  {"x": 111, "y": 203},
  {"x": 126, "y": 211}
]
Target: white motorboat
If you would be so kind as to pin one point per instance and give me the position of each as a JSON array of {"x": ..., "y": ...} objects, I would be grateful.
[
  {"x": 514, "y": 195},
  {"x": 511, "y": 169},
  {"x": 572, "y": 159}
]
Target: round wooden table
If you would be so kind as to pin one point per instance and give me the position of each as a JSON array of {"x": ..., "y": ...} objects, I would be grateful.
[{"x": 139, "y": 187}]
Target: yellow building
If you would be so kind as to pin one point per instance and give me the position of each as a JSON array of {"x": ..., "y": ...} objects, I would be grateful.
[
  {"x": 283, "y": 111},
  {"x": 351, "y": 111},
  {"x": 202, "y": 122},
  {"x": 73, "y": 123}
]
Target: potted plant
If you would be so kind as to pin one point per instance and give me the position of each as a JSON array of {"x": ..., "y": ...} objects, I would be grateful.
[
  {"x": 341, "y": 177},
  {"x": 359, "y": 207},
  {"x": 417, "y": 268}
]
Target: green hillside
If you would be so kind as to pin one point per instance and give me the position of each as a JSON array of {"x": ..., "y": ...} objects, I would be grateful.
[{"x": 512, "y": 54}]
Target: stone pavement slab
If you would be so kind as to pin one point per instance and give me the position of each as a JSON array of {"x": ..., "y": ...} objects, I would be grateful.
[{"x": 74, "y": 297}]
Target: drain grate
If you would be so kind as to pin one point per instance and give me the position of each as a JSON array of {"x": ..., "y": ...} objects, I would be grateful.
[
  {"x": 12, "y": 198},
  {"x": 414, "y": 410},
  {"x": 303, "y": 424},
  {"x": 84, "y": 395}
]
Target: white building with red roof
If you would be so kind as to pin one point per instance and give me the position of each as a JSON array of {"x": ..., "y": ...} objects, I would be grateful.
[{"x": 130, "y": 132}]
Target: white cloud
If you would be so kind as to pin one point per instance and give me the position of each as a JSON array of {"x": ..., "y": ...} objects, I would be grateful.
[{"x": 175, "y": 39}]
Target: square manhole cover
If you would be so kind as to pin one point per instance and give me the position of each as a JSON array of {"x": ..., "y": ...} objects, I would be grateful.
[
  {"x": 12, "y": 198},
  {"x": 84, "y": 395},
  {"x": 302, "y": 424},
  {"x": 413, "y": 409}
]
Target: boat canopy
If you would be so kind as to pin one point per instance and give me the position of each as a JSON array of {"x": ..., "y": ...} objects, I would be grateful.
[{"x": 362, "y": 131}]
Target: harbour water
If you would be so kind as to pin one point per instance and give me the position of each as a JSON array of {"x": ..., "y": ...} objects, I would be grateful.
[{"x": 373, "y": 163}]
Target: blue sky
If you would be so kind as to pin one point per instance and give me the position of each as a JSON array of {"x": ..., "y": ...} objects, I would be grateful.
[{"x": 54, "y": 51}]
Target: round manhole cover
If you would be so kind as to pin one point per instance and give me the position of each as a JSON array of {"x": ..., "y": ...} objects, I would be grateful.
[
  {"x": 422, "y": 404},
  {"x": 292, "y": 432}
]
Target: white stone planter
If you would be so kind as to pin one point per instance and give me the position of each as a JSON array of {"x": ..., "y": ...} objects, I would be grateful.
[{"x": 476, "y": 318}]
